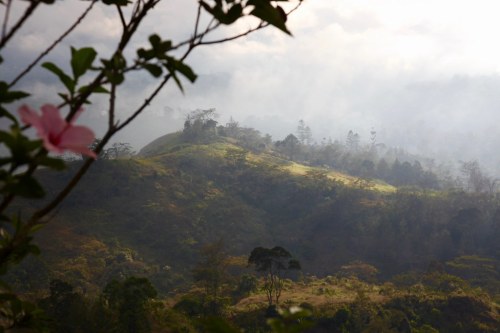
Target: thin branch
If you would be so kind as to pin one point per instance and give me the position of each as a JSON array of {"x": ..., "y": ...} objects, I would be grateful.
[
  {"x": 122, "y": 18},
  {"x": 56, "y": 42},
  {"x": 198, "y": 37},
  {"x": 197, "y": 23},
  {"x": 148, "y": 100},
  {"x": 38, "y": 215},
  {"x": 227, "y": 39},
  {"x": 125, "y": 39},
  {"x": 146, "y": 103},
  {"x": 6, "y": 18},
  {"x": 112, "y": 100},
  {"x": 20, "y": 22}
]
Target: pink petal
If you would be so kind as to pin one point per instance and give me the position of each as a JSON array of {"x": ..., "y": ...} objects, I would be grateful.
[
  {"x": 29, "y": 116},
  {"x": 52, "y": 121},
  {"x": 51, "y": 147},
  {"x": 84, "y": 151},
  {"x": 77, "y": 139}
]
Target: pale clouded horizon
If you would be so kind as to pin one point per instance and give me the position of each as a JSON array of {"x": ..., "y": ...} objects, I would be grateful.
[{"x": 424, "y": 74}]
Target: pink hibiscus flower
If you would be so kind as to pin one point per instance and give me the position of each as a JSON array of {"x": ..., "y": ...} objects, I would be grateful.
[{"x": 57, "y": 134}]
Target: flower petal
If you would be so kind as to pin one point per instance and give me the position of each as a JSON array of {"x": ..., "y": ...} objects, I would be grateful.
[
  {"x": 51, "y": 147},
  {"x": 77, "y": 139},
  {"x": 52, "y": 121},
  {"x": 29, "y": 116}
]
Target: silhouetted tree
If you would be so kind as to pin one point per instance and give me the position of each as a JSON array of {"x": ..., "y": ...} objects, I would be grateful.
[
  {"x": 352, "y": 141},
  {"x": 200, "y": 124},
  {"x": 290, "y": 146},
  {"x": 273, "y": 263},
  {"x": 128, "y": 299}
]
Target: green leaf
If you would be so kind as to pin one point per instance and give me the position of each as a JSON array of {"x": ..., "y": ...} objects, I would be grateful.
[
  {"x": 145, "y": 54},
  {"x": 7, "y": 96},
  {"x": 81, "y": 60},
  {"x": 51, "y": 162},
  {"x": 114, "y": 69},
  {"x": 65, "y": 97},
  {"x": 155, "y": 40},
  {"x": 177, "y": 81},
  {"x": 153, "y": 69},
  {"x": 267, "y": 13},
  {"x": 215, "y": 11},
  {"x": 7, "y": 114},
  {"x": 234, "y": 13},
  {"x": 182, "y": 68},
  {"x": 24, "y": 186},
  {"x": 97, "y": 90},
  {"x": 65, "y": 79},
  {"x": 114, "y": 77},
  {"x": 19, "y": 145}
]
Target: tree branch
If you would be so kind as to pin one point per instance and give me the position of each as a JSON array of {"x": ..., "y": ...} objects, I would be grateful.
[
  {"x": 27, "y": 13},
  {"x": 54, "y": 44},
  {"x": 6, "y": 17}
]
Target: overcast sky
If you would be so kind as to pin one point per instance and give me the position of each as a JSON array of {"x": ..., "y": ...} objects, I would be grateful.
[{"x": 423, "y": 73}]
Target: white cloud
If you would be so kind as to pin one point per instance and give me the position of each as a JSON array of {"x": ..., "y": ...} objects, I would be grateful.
[{"x": 423, "y": 73}]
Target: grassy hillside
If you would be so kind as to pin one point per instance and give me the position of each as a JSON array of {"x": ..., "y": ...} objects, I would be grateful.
[{"x": 151, "y": 214}]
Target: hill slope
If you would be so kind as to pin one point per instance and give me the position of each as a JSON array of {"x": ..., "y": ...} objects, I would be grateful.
[{"x": 151, "y": 214}]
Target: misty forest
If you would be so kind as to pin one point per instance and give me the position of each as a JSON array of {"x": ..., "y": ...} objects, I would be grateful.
[
  {"x": 217, "y": 226},
  {"x": 380, "y": 242}
]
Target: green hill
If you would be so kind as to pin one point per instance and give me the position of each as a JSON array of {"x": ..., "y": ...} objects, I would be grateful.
[{"x": 150, "y": 215}]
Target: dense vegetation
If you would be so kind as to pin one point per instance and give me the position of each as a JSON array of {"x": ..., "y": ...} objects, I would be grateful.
[{"x": 181, "y": 219}]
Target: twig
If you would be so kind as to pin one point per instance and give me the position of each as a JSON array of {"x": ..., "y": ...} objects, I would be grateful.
[
  {"x": 57, "y": 41},
  {"x": 6, "y": 17},
  {"x": 227, "y": 39},
  {"x": 197, "y": 23},
  {"x": 122, "y": 19},
  {"x": 112, "y": 99},
  {"x": 22, "y": 19},
  {"x": 146, "y": 103}
]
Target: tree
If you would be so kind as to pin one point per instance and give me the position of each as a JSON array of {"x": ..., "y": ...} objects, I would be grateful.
[
  {"x": 474, "y": 179},
  {"x": 272, "y": 263},
  {"x": 308, "y": 136},
  {"x": 200, "y": 124},
  {"x": 65, "y": 307},
  {"x": 120, "y": 150},
  {"x": 128, "y": 299},
  {"x": 352, "y": 141},
  {"x": 232, "y": 128},
  {"x": 290, "y": 146},
  {"x": 304, "y": 133},
  {"x": 301, "y": 131},
  {"x": 211, "y": 273}
]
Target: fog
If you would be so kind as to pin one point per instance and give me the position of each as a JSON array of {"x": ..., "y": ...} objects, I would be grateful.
[{"x": 423, "y": 74}]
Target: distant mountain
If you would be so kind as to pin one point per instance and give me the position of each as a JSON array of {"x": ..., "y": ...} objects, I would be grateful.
[{"x": 149, "y": 215}]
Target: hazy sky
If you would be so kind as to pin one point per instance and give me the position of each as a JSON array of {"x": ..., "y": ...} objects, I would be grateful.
[{"x": 423, "y": 73}]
